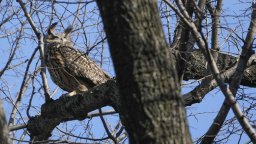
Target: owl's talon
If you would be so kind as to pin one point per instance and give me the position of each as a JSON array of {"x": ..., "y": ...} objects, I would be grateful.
[{"x": 65, "y": 95}]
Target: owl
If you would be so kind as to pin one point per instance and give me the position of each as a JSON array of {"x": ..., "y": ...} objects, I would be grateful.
[{"x": 69, "y": 68}]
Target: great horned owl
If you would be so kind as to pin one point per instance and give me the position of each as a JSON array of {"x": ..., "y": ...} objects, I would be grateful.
[{"x": 69, "y": 68}]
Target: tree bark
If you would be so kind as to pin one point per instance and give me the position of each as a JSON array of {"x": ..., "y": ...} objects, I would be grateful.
[
  {"x": 152, "y": 109},
  {"x": 4, "y": 131},
  {"x": 72, "y": 108},
  {"x": 196, "y": 67}
]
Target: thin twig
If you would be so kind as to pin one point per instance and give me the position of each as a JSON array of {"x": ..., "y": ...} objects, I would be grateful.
[
  {"x": 106, "y": 128},
  {"x": 41, "y": 48}
]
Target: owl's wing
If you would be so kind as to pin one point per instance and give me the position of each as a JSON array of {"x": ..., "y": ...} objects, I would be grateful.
[{"x": 83, "y": 68}]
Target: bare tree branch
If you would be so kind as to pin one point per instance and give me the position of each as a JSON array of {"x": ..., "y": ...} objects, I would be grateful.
[
  {"x": 229, "y": 94},
  {"x": 41, "y": 48},
  {"x": 236, "y": 80}
]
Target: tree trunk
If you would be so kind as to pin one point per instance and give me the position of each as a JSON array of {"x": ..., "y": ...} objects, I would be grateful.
[
  {"x": 152, "y": 109},
  {"x": 4, "y": 132}
]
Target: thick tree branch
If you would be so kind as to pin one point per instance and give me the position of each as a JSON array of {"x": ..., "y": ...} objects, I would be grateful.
[
  {"x": 72, "y": 108},
  {"x": 226, "y": 63},
  {"x": 196, "y": 67}
]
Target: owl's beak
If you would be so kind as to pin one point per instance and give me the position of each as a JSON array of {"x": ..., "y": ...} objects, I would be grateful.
[{"x": 52, "y": 28}]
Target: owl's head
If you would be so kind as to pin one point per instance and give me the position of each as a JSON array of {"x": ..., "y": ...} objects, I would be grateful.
[{"x": 58, "y": 39}]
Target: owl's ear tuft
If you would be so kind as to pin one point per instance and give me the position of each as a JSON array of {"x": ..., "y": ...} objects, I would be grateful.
[
  {"x": 52, "y": 28},
  {"x": 68, "y": 30}
]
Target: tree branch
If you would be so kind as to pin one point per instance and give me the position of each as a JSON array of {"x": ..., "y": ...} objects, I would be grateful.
[
  {"x": 229, "y": 93},
  {"x": 234, "y": 85},
  {"x": 41, "y": 48},
  {"x": 72, "y": 108}
]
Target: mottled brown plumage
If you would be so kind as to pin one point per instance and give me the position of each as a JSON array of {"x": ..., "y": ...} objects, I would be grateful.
[{"x": 69, "y": 68}]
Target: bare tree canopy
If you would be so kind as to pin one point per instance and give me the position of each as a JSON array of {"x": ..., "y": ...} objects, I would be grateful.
[{"x": 166, "y": 59}]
